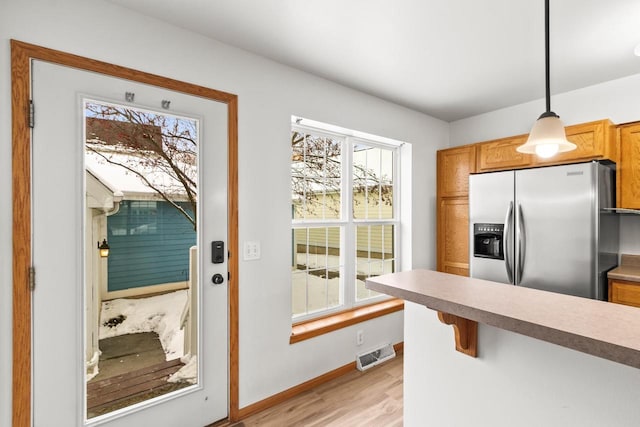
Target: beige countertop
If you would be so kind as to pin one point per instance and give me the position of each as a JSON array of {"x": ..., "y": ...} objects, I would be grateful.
[
  {"x": 599, "y": 328},
  {"x": 629, "y": 269}
]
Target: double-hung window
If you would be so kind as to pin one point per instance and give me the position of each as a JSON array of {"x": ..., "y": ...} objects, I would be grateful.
[{"x": 345, "y": 217}]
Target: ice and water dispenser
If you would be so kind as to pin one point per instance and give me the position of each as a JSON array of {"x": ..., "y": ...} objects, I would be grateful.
[{"x": 488, "y": 240}]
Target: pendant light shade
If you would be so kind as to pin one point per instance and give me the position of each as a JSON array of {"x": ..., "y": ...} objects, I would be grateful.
[{"x": 547, "y": 137}]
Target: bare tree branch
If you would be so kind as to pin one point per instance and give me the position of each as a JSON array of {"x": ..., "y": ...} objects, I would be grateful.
[
  {"x": 155, "y": 141},
  {"x": 317, "y": 171},
  {"x": 148, "y": 183}
]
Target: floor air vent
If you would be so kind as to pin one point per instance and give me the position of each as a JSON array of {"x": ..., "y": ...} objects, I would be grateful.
[{"x": 375, "y": 357}]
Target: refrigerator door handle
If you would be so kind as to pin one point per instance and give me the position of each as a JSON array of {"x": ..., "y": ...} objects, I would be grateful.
[
  {"x": 522, "y": 242},
  {"x": 508, "y": 262}
]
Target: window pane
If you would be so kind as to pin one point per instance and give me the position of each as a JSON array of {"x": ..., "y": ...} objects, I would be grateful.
[
  {"x": 387, "y": 241},
  {"x": 388, "y": 266},
  {"x": 299, "y": 292},
  {"x": 297, "y": 174},
  {"x": 316, "y": 163},
  {"x": 317, "y": 246},
  {"x": 323, "y": 291},
  {"x": 372, "y": 182},
  {"x": 316, "y": 269},
  {"x": 386, "y": 184},
  {"x": 374, "y": 255},
  {"x": 332, "y": 198}
]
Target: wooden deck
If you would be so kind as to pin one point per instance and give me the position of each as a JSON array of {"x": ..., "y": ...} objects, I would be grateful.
[{"x": 124, "y": 390}]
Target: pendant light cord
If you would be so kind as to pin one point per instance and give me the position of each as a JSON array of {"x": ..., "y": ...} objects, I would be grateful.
[
  {"x": 546, "y": 53},
  {"x": 548, "y": 112},
  {"x": 547, "y": 137}
]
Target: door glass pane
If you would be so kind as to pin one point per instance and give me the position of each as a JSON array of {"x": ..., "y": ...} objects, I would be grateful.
[{"x": 141, "y": 285}]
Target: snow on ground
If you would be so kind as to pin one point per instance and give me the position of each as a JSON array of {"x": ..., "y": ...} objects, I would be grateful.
[
  {"x": 159, "y": 314},
  {"x": 364, "y": 266},
  {"x": 188, "y": 373},
  {"x": 311, "y": 293}
]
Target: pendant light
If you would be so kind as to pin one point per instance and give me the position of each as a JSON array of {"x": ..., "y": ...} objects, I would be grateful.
[{"x": 547, "y": 137}]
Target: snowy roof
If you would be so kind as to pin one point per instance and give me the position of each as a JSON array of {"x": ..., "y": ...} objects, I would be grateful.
[{"x": 121, "y": 178}]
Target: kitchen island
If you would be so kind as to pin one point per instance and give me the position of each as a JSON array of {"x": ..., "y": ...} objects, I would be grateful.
[
  {"x": 599, "y": 328},
  {"x": 516, "y": 380}
]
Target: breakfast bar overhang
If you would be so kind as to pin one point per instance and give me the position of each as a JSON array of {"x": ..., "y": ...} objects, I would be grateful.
[{"x": 599, "y": 328}]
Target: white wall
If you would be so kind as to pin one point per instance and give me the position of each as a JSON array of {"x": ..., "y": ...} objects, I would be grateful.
[
  {"x": 269, "y": 94},
  {"x": 517, "y": 380},
  {"x": 616, "y": 100}
]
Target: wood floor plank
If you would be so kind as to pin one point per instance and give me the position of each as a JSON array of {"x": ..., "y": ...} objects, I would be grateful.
[{"x": 369, "y": 399}]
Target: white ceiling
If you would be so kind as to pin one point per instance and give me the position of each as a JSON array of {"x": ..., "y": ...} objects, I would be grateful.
[{"x": 450, "y": 59}]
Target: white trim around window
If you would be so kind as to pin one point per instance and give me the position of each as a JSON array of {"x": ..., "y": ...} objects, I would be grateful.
[{"x": 359, "y": 232}]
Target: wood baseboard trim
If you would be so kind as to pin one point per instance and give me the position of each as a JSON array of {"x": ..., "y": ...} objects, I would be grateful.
[
  {"x": 301, "y": 388},
  {"x": 294, "y": 391}
]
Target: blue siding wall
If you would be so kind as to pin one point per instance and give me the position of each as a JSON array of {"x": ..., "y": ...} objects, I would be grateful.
[{"x": 149, "y": 244}]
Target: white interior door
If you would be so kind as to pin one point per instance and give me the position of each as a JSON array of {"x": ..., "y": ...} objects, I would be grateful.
[{"x": 62, "y": 236}]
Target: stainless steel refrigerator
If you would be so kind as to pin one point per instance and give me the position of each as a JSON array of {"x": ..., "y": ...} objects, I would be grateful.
[{"x": 545, "y": 228}]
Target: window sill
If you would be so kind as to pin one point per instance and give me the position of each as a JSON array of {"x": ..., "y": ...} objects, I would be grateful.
[{"x": 312, "y": 328}]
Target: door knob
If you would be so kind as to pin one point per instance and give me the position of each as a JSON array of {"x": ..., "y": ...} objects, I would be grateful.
[{"x": 217, "y": 279}]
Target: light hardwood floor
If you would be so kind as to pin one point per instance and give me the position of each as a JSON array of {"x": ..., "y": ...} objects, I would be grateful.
[{"x": 372, "y": 398}]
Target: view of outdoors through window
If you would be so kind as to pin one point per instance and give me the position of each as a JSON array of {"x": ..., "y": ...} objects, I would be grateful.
[
  {"x": 141, "y": 204},
  {"x": 373, "y": 200},
  {"x": 343, "y": 219}
]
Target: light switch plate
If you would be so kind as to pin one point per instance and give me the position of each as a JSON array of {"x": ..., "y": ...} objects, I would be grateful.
[{"x": 251, "y": 250}]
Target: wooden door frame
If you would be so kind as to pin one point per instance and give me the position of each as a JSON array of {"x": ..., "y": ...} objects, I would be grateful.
[{"x": 21, "y": 56}]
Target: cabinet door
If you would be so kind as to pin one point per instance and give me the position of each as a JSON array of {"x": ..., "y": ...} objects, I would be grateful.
[
  {"x": 628, "y": 172},
  {"x": 501, "y": 154},
  {"x": 453, "y": 233},
  {"x": 454, "y": 167},
  {"x": 594, "y": 140},
  {"x": 623, "y": 292}
]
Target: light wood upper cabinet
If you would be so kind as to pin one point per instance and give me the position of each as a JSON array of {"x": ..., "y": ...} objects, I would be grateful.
[
  {"x": 501, "y": 154},
  {"x": 594, "y": 140},
  {"x": 454, "y": 167},
  {"x": 453, "y": 233},
  {"x": 628, "y": 171}
]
